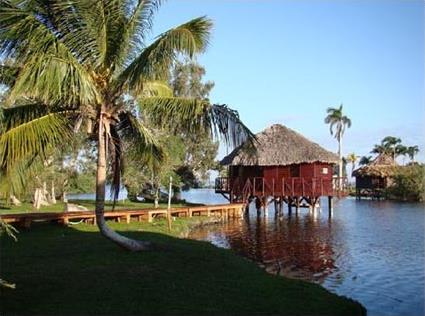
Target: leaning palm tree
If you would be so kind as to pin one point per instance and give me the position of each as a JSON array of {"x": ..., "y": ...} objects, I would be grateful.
[
  {"x": 338, "y": 121},
  {"x": 85, "y": 65}
]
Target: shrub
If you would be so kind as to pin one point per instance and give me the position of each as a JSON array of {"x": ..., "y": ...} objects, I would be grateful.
[{"x": 408, "y": 183}]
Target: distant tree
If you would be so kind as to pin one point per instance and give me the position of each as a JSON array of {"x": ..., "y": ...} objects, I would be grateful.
[
  {"x": 412, "y": 151},
  {"x": 401, "y": 150},
  {"x": 365, "y": 160},
  {"x": 392, "y": 145},
  {"x": 186, "y": 80},
  {"x": 338, "y": 122},
  {"x": 352, "y": 158},
  {"x": 379, "y": 149}
]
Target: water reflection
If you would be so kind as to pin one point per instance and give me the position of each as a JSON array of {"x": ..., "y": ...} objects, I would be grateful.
[
  {"x": 370, "y": 251},
  {"x": 299, "y": 246}
]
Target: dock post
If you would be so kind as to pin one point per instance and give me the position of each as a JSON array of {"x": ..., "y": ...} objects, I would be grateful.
[
  {"x": 247, "y": 207},
  {"x": 276, "y": 206},
  {"x": 258, "y": 205},
  {"x": 289, "y": 206},
  {"x": 330, "y": 205},
  {"x": 297, "y": 204}
]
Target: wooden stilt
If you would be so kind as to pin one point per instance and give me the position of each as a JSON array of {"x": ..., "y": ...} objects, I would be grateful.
[
  {"x": 265, "y": 206},
  {"x": 289, "y": 205},
  {"x": 258, "y": 205},
  {"x": 297, "y": 204},
  {"x": 330, "y": 205}
]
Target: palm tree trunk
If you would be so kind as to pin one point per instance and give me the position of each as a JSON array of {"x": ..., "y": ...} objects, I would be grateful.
[
  {"x": 127, "y": 243},
  {"x": 340, "y": 163}
]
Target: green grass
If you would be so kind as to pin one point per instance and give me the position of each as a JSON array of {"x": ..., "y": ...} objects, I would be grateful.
[
  {"x": 75, "y": 271},
  {"x": 26, "y": 207}
]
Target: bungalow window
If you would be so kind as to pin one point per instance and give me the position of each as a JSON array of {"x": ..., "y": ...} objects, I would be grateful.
[
  {"x": 324, "y": 170},
  {"x": 294, "y": 171}
]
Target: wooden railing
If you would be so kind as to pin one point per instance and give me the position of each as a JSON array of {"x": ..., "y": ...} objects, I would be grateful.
[{"x": 258, "y": 186}]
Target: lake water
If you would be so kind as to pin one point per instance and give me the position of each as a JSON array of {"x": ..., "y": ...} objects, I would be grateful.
[{"x": 371, "y": 251}]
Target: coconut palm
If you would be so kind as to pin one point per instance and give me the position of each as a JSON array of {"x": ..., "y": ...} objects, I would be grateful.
[
  {"x": 338, "y": 122},
  {"x": 412, "y": 151},
  {"x": 86, "y": 65}
]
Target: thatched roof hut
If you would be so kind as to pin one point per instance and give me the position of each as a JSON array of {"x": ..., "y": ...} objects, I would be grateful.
[
  {"x": 278, "y": 145},
  {"x": 382, "y": 166}
]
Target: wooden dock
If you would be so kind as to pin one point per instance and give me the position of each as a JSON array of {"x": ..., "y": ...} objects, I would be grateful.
[{"x": 223, "y": 211}]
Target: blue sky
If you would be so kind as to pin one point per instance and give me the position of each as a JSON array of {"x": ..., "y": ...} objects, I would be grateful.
[{"x": 287, "y": 61}]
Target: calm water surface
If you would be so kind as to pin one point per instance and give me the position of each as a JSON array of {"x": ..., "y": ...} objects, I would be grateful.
[{"x": 371, "y": 251}]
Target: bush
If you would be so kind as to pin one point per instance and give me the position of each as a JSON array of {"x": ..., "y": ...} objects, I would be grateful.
[{"x": 408, "y": 183}]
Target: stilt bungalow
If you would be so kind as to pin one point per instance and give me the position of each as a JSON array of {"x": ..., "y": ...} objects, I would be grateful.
[
  {"x": 283, "y": 165},
  {"x": 373, "y": 178}
]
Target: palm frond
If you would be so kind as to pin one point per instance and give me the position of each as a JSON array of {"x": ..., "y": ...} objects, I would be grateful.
[
  {"x": 192, "y": 116},
  {"x": 156, "y": 89},
  {"x": 154, "y": 61},
  {"x": 140, "y": 140},
  {"x": 8, "y": 74},
  {"x": 28, "y": 132},
  {"x": 35, "y": 27},
  {"x": 138, "y": 23},
  {"x": 53, "y": 79},
  {"x": 51, "y": 62}
]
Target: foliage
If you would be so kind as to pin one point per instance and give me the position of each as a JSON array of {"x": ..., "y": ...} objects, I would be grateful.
[
  {"x": 186, "y": 80},
  {"x": 393, "y": 146},
  {"x": 82, "y": 65},
  {"x": 408, "y": 184}
]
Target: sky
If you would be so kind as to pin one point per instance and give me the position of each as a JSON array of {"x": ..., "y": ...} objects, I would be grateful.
[{"x": 285, "y": 62}]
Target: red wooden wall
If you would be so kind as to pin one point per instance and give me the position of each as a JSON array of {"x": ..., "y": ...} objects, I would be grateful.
[{"x": 305, "y": 170}]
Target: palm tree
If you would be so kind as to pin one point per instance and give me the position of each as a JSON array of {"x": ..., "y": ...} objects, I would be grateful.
[
  {"x": 412, "y": 151},
  {"x": 380, "y": 149},
  {"x": 400, "y": 150},
  {"x": 352, "y": 158},
  {"x": 391, "y": 143},
  {"x": 84, "y": 64},
  {"x": 339, "y": 122},
  {"x": 365, "y": 160}
]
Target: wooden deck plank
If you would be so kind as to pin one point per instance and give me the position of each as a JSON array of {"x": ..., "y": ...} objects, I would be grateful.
[{"x": 25, "y": 219}]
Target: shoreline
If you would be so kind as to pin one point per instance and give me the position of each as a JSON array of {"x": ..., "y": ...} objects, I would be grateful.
[{"x": 321, "y": 301}]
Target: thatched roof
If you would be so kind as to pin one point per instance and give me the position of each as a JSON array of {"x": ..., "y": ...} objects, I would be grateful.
[
  {"x": 278, "y": 145},
  {"x": 382, "y": 166}
]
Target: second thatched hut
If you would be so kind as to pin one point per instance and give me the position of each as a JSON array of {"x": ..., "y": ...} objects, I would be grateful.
[{"x": 373, "y": 178}]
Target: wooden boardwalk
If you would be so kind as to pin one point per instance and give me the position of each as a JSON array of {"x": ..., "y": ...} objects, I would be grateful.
[{"x": 222, "y": 210}]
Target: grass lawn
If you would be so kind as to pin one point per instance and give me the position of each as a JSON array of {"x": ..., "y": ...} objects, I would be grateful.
[
  {"x": 26, "y": 207},
  {"x": 75, "y": 271}
]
